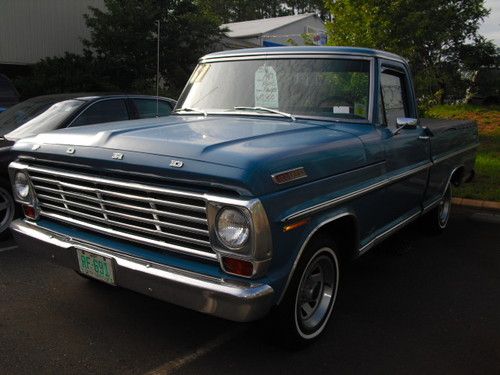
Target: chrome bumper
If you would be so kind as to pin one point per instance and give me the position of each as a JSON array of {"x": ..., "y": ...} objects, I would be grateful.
[{"x": 234, "y": 300}]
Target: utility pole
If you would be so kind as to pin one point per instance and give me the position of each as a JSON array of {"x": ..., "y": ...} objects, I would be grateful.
[{"x": 157, "y": 66}]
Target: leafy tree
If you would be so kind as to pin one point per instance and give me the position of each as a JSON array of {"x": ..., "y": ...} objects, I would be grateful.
[
  {"x": 440, "y": 38},
  {"x": 123, "y": 38},
  {"x": 70, "y": 73},
  {"x": 245, "y": 10}
]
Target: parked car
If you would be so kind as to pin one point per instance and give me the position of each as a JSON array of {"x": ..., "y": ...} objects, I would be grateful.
[
  {"x": 278, "y": 165},
  {"x": 46, "y": 113}
]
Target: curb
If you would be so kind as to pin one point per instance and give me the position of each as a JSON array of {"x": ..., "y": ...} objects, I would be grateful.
[{"x": 490, "y": 205}]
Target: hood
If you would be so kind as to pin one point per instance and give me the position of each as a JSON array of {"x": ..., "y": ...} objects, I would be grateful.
[{"x": 255, "y": 146}]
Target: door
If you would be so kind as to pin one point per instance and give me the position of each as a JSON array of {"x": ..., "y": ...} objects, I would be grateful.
[{"x": 407, "y": 150}]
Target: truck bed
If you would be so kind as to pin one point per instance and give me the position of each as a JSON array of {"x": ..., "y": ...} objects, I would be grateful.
[{"x": 449, "y": 136}]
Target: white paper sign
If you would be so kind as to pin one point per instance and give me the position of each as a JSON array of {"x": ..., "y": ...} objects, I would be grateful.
[
  {"x": 266, "y": 87},
  {"x": 341, "y": 109}
]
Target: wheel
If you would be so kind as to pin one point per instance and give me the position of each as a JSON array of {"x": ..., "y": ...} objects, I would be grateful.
[
  {"x": 308, "y": 303},
  {"x": 436, "y": 220},
  {"x": 7, "y": 211}
]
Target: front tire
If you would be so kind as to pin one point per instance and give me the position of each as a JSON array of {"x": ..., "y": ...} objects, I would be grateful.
[
  {"x": 308, "y": 303},
  {"x": 7, "y": 211}
]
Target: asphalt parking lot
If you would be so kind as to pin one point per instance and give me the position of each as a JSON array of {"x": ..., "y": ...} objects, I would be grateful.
[{"x": 415, "y": 305}]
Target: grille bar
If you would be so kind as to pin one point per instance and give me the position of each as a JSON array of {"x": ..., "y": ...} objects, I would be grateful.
[
  {"x": 158, "y": 217},
  {"x": 125, "y": 216},
  {"x": 117, "y": 194},
  {"x": 128, "y": 236},
  {"x": 123, "y": 225}
]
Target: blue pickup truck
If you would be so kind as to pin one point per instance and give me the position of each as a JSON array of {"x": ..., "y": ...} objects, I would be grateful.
[{"x": 276, "y": 166}]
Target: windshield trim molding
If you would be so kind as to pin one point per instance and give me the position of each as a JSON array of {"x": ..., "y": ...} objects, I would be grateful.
[
  {"x": 308, "y": 55},
  {"x": 263, "y": 114}
]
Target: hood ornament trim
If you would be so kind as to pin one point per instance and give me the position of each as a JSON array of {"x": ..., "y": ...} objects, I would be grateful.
[{"x": 176, "y": 163}]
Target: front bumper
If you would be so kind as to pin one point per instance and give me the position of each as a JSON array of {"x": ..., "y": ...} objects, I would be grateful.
[{"x": 230, "y": 299}]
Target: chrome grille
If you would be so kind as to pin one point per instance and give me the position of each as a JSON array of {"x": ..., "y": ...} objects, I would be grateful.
[{"x": 154, "y": 216}]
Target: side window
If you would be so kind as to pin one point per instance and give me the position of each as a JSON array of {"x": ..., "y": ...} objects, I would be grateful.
[
  {"x": 103, "y": 111},
  {"x": 146, "y": 108},
  {"x": 394, "y": 98}
]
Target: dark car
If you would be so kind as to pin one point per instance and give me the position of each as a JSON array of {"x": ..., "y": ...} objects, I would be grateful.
[{"x": 50, "y": 112}]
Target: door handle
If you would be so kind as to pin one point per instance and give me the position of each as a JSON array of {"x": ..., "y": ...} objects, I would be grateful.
[{"x": 424, "y": 137}]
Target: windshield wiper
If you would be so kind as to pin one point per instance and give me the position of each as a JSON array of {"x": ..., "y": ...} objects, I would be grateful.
[
  {"x": 188, "y": 109},
  {"x": 264, "y": 109}
]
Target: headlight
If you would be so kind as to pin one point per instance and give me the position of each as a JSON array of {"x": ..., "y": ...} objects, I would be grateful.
[
  {"x": 21, "y": 185},
  {"x": 233, "y": 228}
]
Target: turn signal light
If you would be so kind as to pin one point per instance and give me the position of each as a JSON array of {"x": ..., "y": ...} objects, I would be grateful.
[
  {"x": 29, "y": 212},
  {"x": 237, "y": 266}
]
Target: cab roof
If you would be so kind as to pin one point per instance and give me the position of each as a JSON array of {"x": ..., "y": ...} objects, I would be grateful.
[{"x": 355, "y": 51}]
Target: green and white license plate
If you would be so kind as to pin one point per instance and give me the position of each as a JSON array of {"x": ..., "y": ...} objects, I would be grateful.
[{"x": 96, "y": 266}]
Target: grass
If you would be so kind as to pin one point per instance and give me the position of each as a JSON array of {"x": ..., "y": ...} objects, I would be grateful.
[{"x": 486, "y": 185}]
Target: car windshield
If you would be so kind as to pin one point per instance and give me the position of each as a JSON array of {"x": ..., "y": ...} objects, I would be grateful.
[
  {"x": 46, "y": 119},
  {"x": 336, "y": 88}
]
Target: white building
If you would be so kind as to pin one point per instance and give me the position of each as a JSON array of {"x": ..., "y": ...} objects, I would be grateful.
[
  {"x": 274, "y": 31},
  {"x": 34, "y": 29}
]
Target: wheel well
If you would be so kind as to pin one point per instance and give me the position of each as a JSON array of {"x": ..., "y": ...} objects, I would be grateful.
[
  {"x": 457, "y": 176},
  {"x": 344, "y": 232}
]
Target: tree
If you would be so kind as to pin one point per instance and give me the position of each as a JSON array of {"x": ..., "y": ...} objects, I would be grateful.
[
  {"x": 70, "y": 73},
  {"x": 245, "y": 10},
  {"x": 123, "y": 39},
  {"x": 440, "y": 38}
]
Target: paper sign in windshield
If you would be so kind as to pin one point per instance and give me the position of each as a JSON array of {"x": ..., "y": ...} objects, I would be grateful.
[{"x": 266, "y": 87}]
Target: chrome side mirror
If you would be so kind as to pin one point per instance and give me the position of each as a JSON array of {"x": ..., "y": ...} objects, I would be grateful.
[{"x": 405, "y": 123}]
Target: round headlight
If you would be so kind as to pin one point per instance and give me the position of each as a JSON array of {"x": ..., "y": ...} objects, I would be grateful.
[
  {"x": 233, "y": 228},
  {"x": 21, "y": 185}
]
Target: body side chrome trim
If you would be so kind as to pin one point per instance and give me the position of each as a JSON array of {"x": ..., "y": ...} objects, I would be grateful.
[
  {"x": 431, "y": 205},
  {"x": 439, "y": 159},
  {"x": 380, "y": 237},
  {"x": 375, "y": 186},
  {"x": 356, "y": 193}
]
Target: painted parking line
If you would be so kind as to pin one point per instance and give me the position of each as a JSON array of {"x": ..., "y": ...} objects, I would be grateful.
[
  {"x": 8, "y": 248},
  {"x": 175, "y": 364}
]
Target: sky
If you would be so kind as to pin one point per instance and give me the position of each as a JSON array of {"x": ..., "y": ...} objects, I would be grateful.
[{"x": 491, "y": 26}]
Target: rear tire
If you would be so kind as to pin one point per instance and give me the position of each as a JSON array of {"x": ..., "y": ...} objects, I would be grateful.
[
  {"x": 436, "y": 220},
  {"x": 308, "y": 303}
]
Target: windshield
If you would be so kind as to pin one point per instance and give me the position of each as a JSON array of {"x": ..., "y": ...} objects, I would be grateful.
[
  {"x": 17, "y": 115},
  {"x": 337, "y": 88},
  {"x": 49, "y": 118}
]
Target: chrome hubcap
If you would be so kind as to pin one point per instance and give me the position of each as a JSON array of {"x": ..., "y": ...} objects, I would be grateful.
[
  {"x": 316, "y": 292},
  {"x": 444, "y": 208}
]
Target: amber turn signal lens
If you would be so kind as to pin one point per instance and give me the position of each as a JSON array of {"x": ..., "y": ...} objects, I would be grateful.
[
  {"x": 29, "y": 212},
  {"x": 237, "y": 266}
]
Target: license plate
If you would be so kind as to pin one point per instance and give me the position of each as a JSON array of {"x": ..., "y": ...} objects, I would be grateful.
[{"x": 96, "y": 266}]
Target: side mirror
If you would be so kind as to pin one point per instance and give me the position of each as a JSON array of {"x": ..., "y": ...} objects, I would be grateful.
[{"x": 405, "y": 123}]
